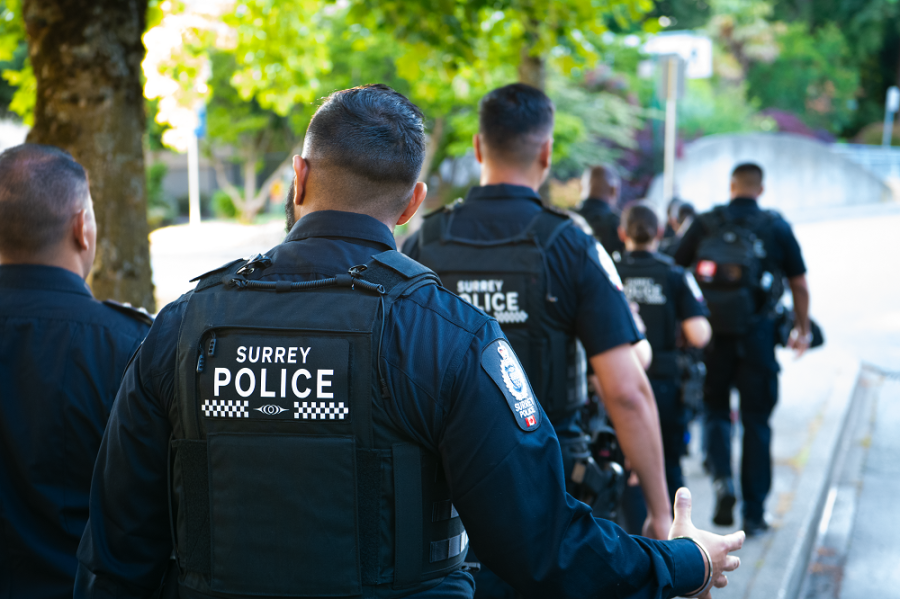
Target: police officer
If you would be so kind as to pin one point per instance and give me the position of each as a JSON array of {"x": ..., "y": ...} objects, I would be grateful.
[
  {"x": 740, "y": 255},
  {"x": 681, "y": 215},
  {"x": 62, "y": 355},
  {"x": 327, "y": 416},
  {"x": 552, "y": 287},
  {"x": 600, "y": 186},
  {"x": 671, "y": 306}
]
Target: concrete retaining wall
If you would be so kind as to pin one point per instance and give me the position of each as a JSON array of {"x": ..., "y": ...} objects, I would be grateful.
[{"x": 800, "y": 173}]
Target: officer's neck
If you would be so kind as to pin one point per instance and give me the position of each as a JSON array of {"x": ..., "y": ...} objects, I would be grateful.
[
  {"x": 68, "y": 260},
  {"x": 631, "y": 246},
  {"x": 496, "y": 174}
]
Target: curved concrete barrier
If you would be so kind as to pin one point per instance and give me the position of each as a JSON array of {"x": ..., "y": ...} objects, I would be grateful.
[{"x": 800, "y": 173}]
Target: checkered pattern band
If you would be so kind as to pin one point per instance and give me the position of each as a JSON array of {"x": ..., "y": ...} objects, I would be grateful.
[
  {"x": 321, "y": 410},
  {"x": 225, "y": 408}
]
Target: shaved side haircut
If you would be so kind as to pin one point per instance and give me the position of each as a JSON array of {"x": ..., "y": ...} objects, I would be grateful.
[
  {"x": 640, "y": 222},
  {"x": 370, "y": 142},
  {"x": 41, "y": 189},
  {"x": 748, "y": 175},
  {"x": 514, "y": 121}
]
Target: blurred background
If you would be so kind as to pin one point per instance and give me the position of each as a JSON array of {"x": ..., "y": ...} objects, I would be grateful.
[{"x": 229, "y": 87}]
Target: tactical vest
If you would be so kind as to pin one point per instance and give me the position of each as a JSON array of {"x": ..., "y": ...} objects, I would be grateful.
[
  {"x": 509, "y": 280},
  {"x": 287, "y": 478},
  {"x": 645, "y": 281},
  {"x": 731, "y": 267}
]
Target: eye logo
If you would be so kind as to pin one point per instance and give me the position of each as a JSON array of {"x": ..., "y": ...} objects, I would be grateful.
[{"x": 270, "y": 410}]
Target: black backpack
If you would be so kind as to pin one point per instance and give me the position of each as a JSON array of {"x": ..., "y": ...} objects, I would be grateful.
[{"x": 739, "y": 284}]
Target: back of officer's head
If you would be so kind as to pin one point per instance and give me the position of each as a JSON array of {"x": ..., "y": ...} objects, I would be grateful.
[
  {"x": 601, "y": 182},
  {"x": 747, "y": 180},
  {"x": 640, "y": 222},
  {"x": 514, "y": 121},
  {"x": 42, "y": 189},
  {"x": 367, "y": 144}
]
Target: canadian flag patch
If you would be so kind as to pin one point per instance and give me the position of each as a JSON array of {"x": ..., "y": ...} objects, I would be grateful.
[{"x": 530, "y": 421}]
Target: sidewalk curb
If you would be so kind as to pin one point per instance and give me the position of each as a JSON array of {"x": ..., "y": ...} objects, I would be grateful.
[{"x": 813, "y": 485}]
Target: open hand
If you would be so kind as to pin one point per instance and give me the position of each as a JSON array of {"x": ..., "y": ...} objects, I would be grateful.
[{"x": 718, "y": 546}]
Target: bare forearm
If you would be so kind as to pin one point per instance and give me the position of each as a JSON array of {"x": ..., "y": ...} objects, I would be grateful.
[
  {"x": 629, "y": 402},
  {"x": 800, "y": 293},
  {"x": 636, "y": 421}
]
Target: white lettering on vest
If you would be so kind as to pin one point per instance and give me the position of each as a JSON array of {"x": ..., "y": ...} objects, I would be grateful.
[
  {"x": 304, "y": 394},
  {"x": 237, "y": 382},
  {"x": 321, "y": 383},
  {"x": 219, "y": 381}
]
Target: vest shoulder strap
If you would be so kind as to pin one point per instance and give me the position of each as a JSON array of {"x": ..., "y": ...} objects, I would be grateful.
[
  {"x": 549, "y": 224},
  {"x": 399, "y": 274},
  {"x": 216, "y": 276}
]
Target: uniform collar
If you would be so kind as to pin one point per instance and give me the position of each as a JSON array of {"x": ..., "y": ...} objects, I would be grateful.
[
  {"x": 346, "y": 225},
  {"x": 640, "y": 254},
  {"x": 45, "y": 278},
  {"x": 503, "y": 191},
  {"x": 595, "y": 206},
  {"x": 745, "y": 202}
]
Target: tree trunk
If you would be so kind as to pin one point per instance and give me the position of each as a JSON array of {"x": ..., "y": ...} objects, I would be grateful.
[
  {"x": 87, "y": 61},
  {"x": 531, "y": 69},
  {"x": 251, "y": 206}
]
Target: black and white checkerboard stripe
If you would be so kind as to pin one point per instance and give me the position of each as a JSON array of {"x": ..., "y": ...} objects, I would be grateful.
[
  {"x": 321, "y": 410},
  {"x": 225, "y": 408}
]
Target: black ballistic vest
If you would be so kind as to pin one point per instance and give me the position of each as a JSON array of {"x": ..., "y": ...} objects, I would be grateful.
[
  {"x": 287, "y": 479},
  {"x": 508, "y": 279},
  {"x": 733, "y": 271},
  {"x": 645, "y": 281}
]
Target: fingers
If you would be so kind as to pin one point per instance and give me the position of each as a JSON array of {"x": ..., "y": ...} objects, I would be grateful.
[
  {"x": 721, "y": 582},
  {"x": 682, "y": 506},
  {"x": 732, "y": 563},
  {"x": 734, "y": 541}
]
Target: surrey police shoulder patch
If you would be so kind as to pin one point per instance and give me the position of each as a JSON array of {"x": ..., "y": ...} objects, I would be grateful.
[{"x": 501, "y": 363}]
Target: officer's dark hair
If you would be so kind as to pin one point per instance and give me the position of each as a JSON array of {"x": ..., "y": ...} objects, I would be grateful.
[
  {"x": 748, "y": 174},
  {"x": 41, "y": 189},
  {"x": 514, "y": 120},
  {"x": 640, "y": 222},
  {"x": 372, "y": 138}
]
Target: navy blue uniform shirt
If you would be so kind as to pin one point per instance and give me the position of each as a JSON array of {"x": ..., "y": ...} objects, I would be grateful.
[
  {"x": 590, "y": 304},
  {"x": 605, "y": 223},
  {"x": 782, "y": 250},
  {"x": 62, "y": 355},
  {"x": 507, "y": 484}
]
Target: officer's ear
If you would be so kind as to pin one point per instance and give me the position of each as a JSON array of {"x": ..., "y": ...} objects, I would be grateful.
[
  {"x": 301, "y": 174},
  {"x": 476, "y": 143},
  {"x": 546, "y": 155},
  {"x": 418, "y": 196},
  {"x": 81, "y": 230},
  {"x": 622, "y": 235}
]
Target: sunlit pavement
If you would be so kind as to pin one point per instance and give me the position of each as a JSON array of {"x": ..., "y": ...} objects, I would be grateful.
[{"x": 853, "y": 258}]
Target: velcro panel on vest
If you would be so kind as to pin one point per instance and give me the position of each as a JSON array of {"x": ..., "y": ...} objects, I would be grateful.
[
  {"x": 301, "y": 487},
  {"x": 407, "y": 462},
  {"x": 192, "y": 474}
]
